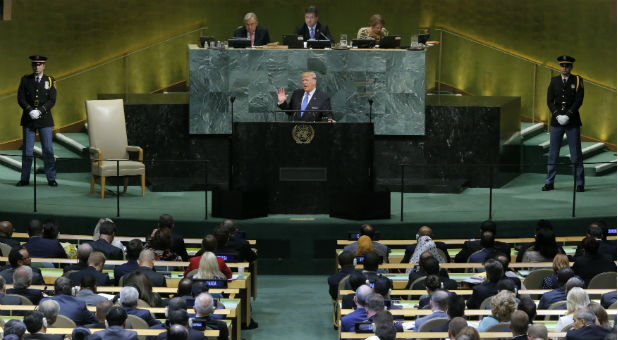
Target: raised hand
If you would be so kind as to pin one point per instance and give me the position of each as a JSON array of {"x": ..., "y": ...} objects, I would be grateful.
[{"x": 281, "y": 96}]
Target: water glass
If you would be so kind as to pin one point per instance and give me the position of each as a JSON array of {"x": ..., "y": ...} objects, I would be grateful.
[{"x": 343, "y": 40}]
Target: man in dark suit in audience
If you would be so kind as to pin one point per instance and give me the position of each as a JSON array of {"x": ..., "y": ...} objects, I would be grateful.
[
  {"x": 36, "y": 324},
  {"x": 307, "y": 104},
  {"x": 592, "y": 262},
  {"x": 438, "y": 305},
  {"x": 455, "y": 310},
  {"x": 558, "y": 294},
  {"x": 43, "y": 242},
  {"x": 83, "y": 252},
  {"x": 469, "y": 247},
  {"x": 598, "y": 230},
  {"x": 346, "y": 261},
  {"x": 116, "y": 320},
  {"x": 360, "y": 313},
  {"x": 104, "y": 243},
  {"x": 70, "y": 306},
  {"x": 488, "y": 288},
  {"x": 180, "y": 317},
  {"x": 178, "y": 242},
  {"x": 607, "y": 299},
  {"x": 51, "y": 310},
  {"x": 487, "y": 243},
  {"x": 505, "y": 261},
  {"x": 585, "y": 327},
  {"x": 22, "y": 279},
  {"x": 96, "y": 261},
  {"x": 429, "y": 266},
  {"x": 425, "y": 231},
  {"x": 519, "y": 325},
  {"x": 356, "y": 279},
  {"x": 6, "y": 232},
  {"x": 102, "y": 308},
  {"x": 146, "y": 266},
  {"x": 134, "y": 248},
  {"x": 7, "y": 300},
  {"x": 455, "y": 326},
  {"x": 312, "y": 29},
  {"x": 88, "y": 291},
  {"x": 19, "y": 257},
  {"x": 128, "y": 300},
  {"x": 258, "y": 35},
  {"x": 227, "y": 244},
  {"x": 204, "y": 307}
]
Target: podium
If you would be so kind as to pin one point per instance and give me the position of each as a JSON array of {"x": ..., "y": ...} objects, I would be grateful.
[{"x": 298, "y": 166}]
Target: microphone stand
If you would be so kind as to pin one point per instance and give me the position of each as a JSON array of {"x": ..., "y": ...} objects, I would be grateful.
[{"x": 370, "y": 110}]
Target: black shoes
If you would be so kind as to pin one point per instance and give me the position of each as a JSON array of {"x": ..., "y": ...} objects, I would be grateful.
[
  {"x": 22, "y": 183},
  {"x": 52, "y": 183},
  {"x": 547, "y": 187},
  {"x": 580, "y": 188}
]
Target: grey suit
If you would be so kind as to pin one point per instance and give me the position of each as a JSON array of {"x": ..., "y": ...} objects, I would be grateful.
[
  {"x": 89, "y": 297},
  {"x": 114, "y": 333}
]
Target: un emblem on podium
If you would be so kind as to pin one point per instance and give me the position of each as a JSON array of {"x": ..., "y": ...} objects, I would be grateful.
[{"x": 303, "y": 133}]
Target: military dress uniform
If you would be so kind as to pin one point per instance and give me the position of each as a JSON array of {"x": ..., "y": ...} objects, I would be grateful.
[
  {"x": 37, "y": 94},
  {"x": 564, "y": 98}
]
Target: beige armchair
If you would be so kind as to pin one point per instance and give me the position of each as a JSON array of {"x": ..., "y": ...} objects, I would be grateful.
[{"x": 108, "y": 142}]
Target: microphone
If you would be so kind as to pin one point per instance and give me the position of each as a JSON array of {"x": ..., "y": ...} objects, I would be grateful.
[
  {"x": 322, "y": 34},
  {"x": 232, "y": 99}
]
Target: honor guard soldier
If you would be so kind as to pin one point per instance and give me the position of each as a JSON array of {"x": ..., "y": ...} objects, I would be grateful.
[
  {"x": 565, "y": 95},
  {"x": 36, "y": 96}
]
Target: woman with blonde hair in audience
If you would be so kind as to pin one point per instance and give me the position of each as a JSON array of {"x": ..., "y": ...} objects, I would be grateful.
[
  {"x": 470, "y": 332},
  {"x": 577, "y": 298},
  {"x": 560, "y": 261},
  {"x": 600, "y": 313},
  {"x": 209, "y": 268},
  {"x": 503, "y": 305},
  {"x": 143, "y": 285}
]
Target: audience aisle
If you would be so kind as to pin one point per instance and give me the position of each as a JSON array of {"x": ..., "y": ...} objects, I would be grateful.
[{"x": 292, "y": 307}]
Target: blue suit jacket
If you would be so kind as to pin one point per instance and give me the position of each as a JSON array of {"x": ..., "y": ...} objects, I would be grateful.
[
  {"x": 420, "y": 321},
  {"x": 142, "y": 313},
  {"x": 589, "y": 332},
  {"x": 552, "y": 296},
  {"x": 102, "y": 278},
  {"x": 114, "y": 333},
  {"x": 110, "y": 252},
  {"x": 34, "y": 295},
  {"x": 607, "y": 299},
  {"x": 123, "y": 269},
  {"x": 44, "y": 247},
  {"x": 75, "y": 309},
  {"x": 348, "y": 321}
]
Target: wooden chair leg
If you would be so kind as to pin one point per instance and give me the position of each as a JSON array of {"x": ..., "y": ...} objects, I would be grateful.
[
  {"x": 91, "y": 184},
  {"x": 102, "y": 187},
  {"x": 143, "y": 185},
  {"x": 126, "y": 183}
]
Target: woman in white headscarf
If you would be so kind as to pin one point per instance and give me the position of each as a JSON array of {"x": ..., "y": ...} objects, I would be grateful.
[{"x": 424, "y": 244}]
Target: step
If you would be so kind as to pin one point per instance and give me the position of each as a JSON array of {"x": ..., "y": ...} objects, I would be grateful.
[
  {"x": 600, "y": 164},
  {"x": 71, "y": 142},
  {"x": 11, "y": 159},
  {"x": 529, "y": 130},
  {"x": 588, "y": 149}
]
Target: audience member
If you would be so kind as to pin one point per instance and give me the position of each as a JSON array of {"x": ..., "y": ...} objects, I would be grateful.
[
  {"x": 161, "y": 242},
  {"x": 6, "y": 234},
  {"x": 96, "y": 261},
  {"x": 184, "y": 290},
  {"x": 432, "y": 284},
  {"x": 134, "y": 248},
  {"x": 480, "y": 292},
  {"x": 7, "y": 300},
  {"x": 178, "y": 332},
  {"x": 107, "y": 231},
  {"x": 101, "y": 312},
  {"x": 128, "y": 301},
  {"x": 470, "y": 333},
  {"x": 116, "y": 322},
  {"x": 358, "y": 315},
  {"x": 36, "y": 324},
  {"x": 455, "y": 326},
  {"x": 209, "y": 243},
  {"x": 537, "y": 331},
  {"x": 166, "y": 221},
  {"x": 469, "y": 247},
  {"x": 592, "y": 262},
  {"x": 521, "y": 249},
  {"x": 355, "y": 280},
  {"x": 143, "y": 285},
  {"x": 364, "y": 246},
  {"x": 71, "y": 307},
  {"x": 505, "y": 261},
  {"x": 519, "y": 325},
  {"x": 22, "y": 279},
  {"x": 600, "y": 313},
  {"x": 209, "y": 268},
  {"x": 371, "y": 263},
  {"x": 96, "y": 234},
  {"x": 346, "y": 262},
  {"x": 180, "y": 317},
  {"x": 204, "y": 307},
  {"x": 20, "y": 257},
  {"x": 544, "y": 249},
  {"x": 368, "y": 230},
  {"x": 607, "y": 299},
  {"x": 455, "y": 309},
  {"x": 585, "y": 327},
  {"x": 227, "y": 243},
  {"x": 426, "y": 245},
  {"x": 598, "y": 230},
  {"x": 146, "y": 266},
  {"x": 527, "y": 305},
  {"x": 503, "y": 305},
  {"x": 576, "y": 298},
  {"x": 429, "y": 266},
  {"x": 374, "y": 303},
  {"x": 83, "y": 253},
  {"x": 81, "y": 333},
  {"x": 425, "y": 231},
  {"x": 438, "y": 304},
  {"x": 558, "y": 294},
  {"x": 43, "y": 242},
  {"x": 51, "y": 310},
  {"x": 383, "y": 286},
  {"x": 15, "y": 327},
  {"x": 384, "y": 328},
  {"x": 560, "y": 261},
  {"x": 487, "y": 247},
  {"x": 88, "y": 291}
]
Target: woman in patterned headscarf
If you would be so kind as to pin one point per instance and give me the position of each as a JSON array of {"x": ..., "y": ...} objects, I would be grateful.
[{"x": 424, "y": 244}]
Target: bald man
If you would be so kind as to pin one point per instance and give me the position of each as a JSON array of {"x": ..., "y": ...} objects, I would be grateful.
[
  {"x": 6, "y": 231},
  {"x": 424, "y": 231},
  {"x": 146, "y": 266},
  {"x": 537, "y": 331}
]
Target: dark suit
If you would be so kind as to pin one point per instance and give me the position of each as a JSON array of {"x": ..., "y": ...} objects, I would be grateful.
[
  {"x": 480, "y": 292},
  {"x": 110, "y": 252},
  {"x": 410, "y": 250},
  {"x": 101, "y": 278},
  {"x": 74, "y": 309},
  {"x": 469, "y": 247},
  {"x": 178, "y": 246},
  {"x": 607, "y": 299},
  {"x": 447, "y": 283},
  {"x": 319, "y": 101},
  {"x": 43, "y": 336},
  {"x": 123, "y": 269},
  {"x": 44, "y": 247},
  {"x": 260, "y": 37},
  {"x": 37, "y": 278},
  {"x": 75, "y": 266},
  {"x": 589, "y": 266},
  {"x": 347, "y": 301},
  {"x": 34, "y": 295},
  {"x": 319, "y": 28},
  {"x": 193, "y": 335},
  {"x": 589, "y": 332},
  {"x": 114, "y": 333},
  {"x": 9, "y": 300},
  {"x": 142, "y": 313},
  {"x": 200, "y": 324},
  {"x": 240, "y": 246},
  {"x": 11, "y": 242},
  {"x": 552, "y": 296},
  {"x": 333, "y": 280},
  {"x": 157, "y": 280},
  {"x": 607, "y": 248}
]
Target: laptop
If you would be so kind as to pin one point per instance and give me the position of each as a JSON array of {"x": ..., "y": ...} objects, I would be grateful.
[
  {"x": 239, "y": 43},
  {"x": 318, "y": 44},
  {"x": 293, "y": 40},
  {"x": 390, "y": 41},
  {"x": 363, "y": 43}
]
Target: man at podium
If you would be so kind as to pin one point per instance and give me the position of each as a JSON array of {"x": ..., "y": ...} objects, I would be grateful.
[{"x": 307, "y": 104}]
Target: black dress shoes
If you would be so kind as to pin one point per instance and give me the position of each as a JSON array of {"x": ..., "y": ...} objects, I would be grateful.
[
  {"x": 547, "y": 187},
  {"x": 21, "y": 183},
  {"x": 52, "y": 183},
  {"x": 580, "y": 188}
]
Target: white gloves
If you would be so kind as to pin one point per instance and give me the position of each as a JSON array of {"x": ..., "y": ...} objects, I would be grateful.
[
  {"x": 562, "y": 119},
  {"x": 35, "y": 114}
]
